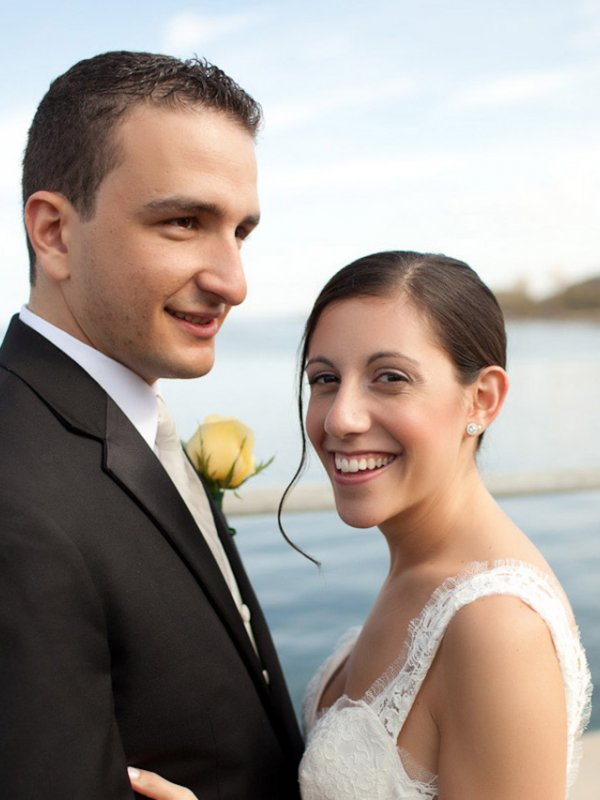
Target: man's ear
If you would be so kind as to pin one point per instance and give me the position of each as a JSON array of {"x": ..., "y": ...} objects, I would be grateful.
[
  {"x": 48, "y": 219},
  {"x": 487, "y": 395}
]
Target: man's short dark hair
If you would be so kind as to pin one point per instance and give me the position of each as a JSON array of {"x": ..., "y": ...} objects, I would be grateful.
[{"x": 71, "y": 145}]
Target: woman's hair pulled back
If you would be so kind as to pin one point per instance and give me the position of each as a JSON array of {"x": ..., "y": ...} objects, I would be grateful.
[{"x": 463, "y": 313}]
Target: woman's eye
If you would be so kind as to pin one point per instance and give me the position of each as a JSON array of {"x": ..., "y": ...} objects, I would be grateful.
[
  {"x": 392, "y": 377},
  {"x": 321, "y": 378}
]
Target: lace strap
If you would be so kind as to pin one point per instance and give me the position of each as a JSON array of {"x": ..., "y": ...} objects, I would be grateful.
[{"x": 393, "y": 695}]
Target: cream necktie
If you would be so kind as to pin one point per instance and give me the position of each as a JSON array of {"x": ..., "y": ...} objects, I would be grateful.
[{"x": 191, "y": 489}]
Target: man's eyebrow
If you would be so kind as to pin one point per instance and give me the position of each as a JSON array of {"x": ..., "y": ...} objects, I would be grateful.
[{"x": 187, "y": 206}]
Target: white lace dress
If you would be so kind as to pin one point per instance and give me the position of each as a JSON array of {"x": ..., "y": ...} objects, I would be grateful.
[{"x": 351, "y": 751}]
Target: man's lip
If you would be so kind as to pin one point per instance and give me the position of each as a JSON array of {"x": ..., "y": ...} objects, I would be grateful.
[
  {"x": 195, "y": 318},
  {"x": 199, "y": 325}
]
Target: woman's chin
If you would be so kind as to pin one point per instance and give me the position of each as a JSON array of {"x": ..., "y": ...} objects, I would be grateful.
[{"x": 356, "y": 518}]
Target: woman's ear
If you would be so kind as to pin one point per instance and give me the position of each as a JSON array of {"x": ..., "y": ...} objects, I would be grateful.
[
  {"x": 48, "y": 219},
  {"x": 487, "y": 395}
]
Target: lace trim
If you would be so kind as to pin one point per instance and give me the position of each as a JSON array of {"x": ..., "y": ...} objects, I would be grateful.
[
  {"x": 323, "y": 675},
  {"x": 415, "y": 771}
]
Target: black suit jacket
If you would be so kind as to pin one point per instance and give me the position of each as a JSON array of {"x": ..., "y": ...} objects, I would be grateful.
[{"x": 119, "y": 640}]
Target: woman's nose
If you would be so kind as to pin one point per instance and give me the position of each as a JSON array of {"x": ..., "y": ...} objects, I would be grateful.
[{"x": 348, "y": 414}]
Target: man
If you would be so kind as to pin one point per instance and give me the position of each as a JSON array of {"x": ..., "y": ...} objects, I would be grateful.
[{"x": 123, "y": 640}]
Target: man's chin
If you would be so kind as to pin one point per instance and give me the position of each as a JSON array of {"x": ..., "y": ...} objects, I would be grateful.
[
  {"x": 178, "y": 370},
  {"x": 188, "y": 371}
]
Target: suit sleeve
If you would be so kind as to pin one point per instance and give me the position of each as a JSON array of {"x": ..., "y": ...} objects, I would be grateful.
[{"x": 58, "y": 734}]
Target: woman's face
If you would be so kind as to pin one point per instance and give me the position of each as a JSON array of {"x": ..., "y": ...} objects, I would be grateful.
[{"x": 386, "y": 414}]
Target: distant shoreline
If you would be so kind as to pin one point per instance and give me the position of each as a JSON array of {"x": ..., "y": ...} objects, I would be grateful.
[
  {"x": 554, "y": 315},
  {"x": 576, "y": 302}
]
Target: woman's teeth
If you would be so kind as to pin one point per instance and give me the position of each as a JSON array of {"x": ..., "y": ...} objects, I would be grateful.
[{"x": 360, "y": 464}]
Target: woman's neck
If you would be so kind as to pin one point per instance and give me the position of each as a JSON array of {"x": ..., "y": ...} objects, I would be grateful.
[{"x": 456, "y": 526}]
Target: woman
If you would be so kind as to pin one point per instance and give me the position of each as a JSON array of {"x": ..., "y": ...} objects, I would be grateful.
[{"x": 468, "y": 678}]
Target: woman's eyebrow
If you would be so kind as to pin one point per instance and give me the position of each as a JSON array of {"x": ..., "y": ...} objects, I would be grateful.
[
  {"x": 375, "y": 357},
  {"x": 318, "y": 360},
  {"x": 391, "y": 354}
]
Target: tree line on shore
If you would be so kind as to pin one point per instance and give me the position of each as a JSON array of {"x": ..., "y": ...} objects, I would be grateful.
[{"x": 577, "y": 300}]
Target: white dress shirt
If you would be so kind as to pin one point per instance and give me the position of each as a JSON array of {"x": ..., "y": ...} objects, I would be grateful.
[{"x": 135, "y": 397}]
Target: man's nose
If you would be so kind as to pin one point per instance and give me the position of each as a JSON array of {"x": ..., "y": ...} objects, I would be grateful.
[{"x": 221, "y": 272}]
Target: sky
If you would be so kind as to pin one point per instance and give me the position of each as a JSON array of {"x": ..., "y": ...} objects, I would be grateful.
[{"x": 470, "y": 128}]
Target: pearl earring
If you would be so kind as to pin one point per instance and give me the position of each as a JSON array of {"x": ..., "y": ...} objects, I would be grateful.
[{"x": 473, "y": 428}]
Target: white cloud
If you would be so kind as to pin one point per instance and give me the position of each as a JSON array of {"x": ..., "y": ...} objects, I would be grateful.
[
  {"x": 188, "y": 31},
  {"x": 512, "y": 212},
  {"x": 307, "y": 109},
  {"x": 589, "y": 35},
  {"x": 360, "y": 173},
  {"x": 515, "y": 88},
  {"x": 534, "y": 226}
]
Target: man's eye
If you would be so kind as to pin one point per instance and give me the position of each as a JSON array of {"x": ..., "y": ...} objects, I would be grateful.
[
  {"x": 242, "y": 233},
  {"x": 183, "y": 222}
]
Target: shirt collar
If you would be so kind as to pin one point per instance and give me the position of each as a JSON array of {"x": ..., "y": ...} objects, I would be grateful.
[{"x": 135, "y": 397}]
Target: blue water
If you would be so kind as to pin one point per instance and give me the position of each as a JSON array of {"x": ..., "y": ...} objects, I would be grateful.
[{"x": 308, "y": 608}]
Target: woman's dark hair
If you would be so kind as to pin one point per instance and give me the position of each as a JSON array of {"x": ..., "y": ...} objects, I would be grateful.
[{"x": 463, "y": 313}]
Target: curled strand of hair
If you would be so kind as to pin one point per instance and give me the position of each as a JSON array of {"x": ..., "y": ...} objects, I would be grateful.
[
  {"x": 302, "y": 464},
  {"x": 284, "y": 496}
]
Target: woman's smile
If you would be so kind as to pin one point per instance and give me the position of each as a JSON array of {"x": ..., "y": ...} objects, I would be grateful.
[{"x": 361, "y": 462}]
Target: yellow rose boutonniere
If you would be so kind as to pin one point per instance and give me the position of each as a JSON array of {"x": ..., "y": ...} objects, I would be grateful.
[{"x": 221, "y": 451}]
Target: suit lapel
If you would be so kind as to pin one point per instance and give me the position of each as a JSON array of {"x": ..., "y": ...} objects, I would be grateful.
[
  {"x": 84, "y": 407},
  {"x": 259, "y": 624},
  {"x": 282, "y": 711},
  {"x": 130, "y": 462}
]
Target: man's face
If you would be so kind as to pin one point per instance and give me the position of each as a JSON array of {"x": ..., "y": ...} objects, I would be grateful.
[{"x": 154, "y": 272}]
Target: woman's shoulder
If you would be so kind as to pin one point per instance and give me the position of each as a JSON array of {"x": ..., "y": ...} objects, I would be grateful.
[
  {"x": 497, "y": 626},
  {"x": 497, "y": 645},
  {"x": 511, "y": 646},
  {"x": 510, "y": 632},
  {"x": 493, "y": 607},
  {"x": 499, "y": 690}
]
